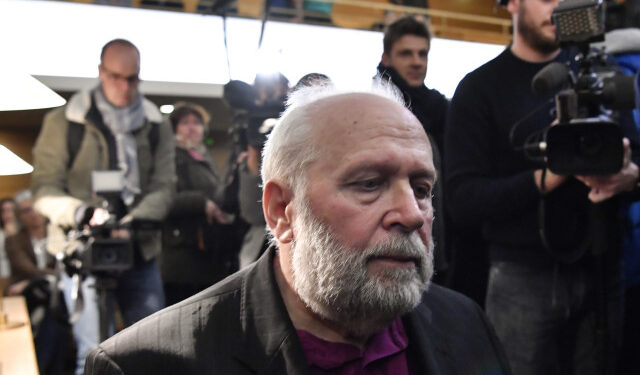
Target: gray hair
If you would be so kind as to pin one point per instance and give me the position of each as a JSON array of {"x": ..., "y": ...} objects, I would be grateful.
[{"x": 291, "y": 148}]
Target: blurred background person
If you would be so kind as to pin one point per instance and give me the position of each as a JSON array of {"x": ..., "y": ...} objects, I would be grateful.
[
  {"x": 8, "y": 227},
  {"x": 404, "y": 61},
  {"x": 195, "y": 254},
  {"x": 109, "y": 127},
  {"x": 32, "y": 275},
  {"x": 255, "y": 107}
]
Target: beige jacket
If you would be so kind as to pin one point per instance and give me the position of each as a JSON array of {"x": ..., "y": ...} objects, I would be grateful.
[{"x": 59, "y": 191}]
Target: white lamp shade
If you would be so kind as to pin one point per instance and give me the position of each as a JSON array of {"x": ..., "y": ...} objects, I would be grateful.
[
  {"x": 11, "y": 164},
  {"x": 20, "y": 91}
]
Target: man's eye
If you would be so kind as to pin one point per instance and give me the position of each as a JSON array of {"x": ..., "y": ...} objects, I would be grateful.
[
  {"x": 422, "y": 191},
  {"x": 368, "y": 185}
]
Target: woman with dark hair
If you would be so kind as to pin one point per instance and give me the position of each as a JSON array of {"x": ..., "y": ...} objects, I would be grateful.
[
  {"x": 8, "y": 227},
  {"x": 194, "y": 256}
]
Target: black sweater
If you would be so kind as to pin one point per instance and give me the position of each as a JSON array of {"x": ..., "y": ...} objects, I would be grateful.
[{"x": 489, "y": 182}]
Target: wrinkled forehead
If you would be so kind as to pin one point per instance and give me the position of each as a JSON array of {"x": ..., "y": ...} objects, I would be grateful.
[{"x": 347, "y": 118}]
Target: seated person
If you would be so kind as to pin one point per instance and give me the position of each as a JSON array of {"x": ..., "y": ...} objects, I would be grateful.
[
  {"x": 345, "y": 286},
  {"x": 31, "y": 264}
]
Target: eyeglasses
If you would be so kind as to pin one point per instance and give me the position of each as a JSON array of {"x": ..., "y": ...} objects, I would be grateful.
[{"x": 132, "y": 79}]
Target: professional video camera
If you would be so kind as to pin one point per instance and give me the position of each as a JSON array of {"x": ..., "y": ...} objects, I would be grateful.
[
  {"x": 97, "y": 251},
  {"x": 586, "y": 139}
]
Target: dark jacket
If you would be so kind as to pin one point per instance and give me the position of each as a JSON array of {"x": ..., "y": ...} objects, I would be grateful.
[
  {"x": 241, "y": 326},
  {"x": 192, "y": 248}
]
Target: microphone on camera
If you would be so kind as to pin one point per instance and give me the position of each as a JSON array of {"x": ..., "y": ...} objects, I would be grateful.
[{"x": 550, "y": 79}]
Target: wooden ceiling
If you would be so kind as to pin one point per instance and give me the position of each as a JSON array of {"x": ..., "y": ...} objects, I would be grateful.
[{"x": 470, "y": 20}]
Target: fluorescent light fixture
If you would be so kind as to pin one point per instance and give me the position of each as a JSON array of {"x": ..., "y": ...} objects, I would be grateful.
[
  {"x": 11, "y": 163},
  {"x": 20, "y": 91}
]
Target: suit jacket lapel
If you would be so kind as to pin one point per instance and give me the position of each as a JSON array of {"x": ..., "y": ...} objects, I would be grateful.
[
  {"x": 268, "y": 342},
  {"x": 426, "y": 353}
]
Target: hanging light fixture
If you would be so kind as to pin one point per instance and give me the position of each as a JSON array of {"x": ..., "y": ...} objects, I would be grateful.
[
  {"x": 20, "y": 91},
  {"x": 12, "y": 164}
]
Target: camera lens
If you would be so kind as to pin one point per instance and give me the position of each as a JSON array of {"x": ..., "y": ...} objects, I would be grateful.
[
  {"x": 589, "y": 145},
  {"x": 108, "y": 256}
]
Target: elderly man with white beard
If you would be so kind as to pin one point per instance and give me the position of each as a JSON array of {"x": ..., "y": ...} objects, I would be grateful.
[{"x": 344, "y": 288}]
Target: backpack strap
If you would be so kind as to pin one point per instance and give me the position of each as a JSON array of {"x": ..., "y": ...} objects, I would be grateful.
[
  {"x": 154, "y": 137},
  {"x": 75, "y": 134}
]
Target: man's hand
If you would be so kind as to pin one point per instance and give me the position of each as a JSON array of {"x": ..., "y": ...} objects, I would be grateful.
[
  {"x": 605, "y": 187},
  {"x": 17, "y": 288},
  {"x": 215, "y": 214},
  {"x": 122, "y": 233},
  {"x": 551, "y": 181},
  {"x": 99, "y": 217}
]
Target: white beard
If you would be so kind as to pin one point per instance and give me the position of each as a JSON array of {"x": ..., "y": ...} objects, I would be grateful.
[{"x": 333, "y": 280}]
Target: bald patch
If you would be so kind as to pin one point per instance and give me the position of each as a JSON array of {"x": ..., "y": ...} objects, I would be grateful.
[{"x": 347, "y": 114}]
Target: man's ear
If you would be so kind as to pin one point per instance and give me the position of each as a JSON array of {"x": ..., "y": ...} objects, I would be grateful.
[
  {"x": 386, "y": 60},
  {"x": 277, "y": 207}
]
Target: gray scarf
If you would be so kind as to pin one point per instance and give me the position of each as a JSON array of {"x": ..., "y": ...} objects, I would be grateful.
[{"x": 123, "y": 122}]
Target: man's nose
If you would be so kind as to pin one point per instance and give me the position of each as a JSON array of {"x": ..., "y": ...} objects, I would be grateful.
[
  {"x": 405, "y": 212},
  {"x": 416, "y": 59}
]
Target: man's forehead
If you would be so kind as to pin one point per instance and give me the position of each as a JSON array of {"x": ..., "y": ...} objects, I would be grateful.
[
  {"x": 344, "y": 120},
  {"x": 122, "y": 54},
  {"x": 354, "y": 104},
  {"x": 411, "y": 41}
]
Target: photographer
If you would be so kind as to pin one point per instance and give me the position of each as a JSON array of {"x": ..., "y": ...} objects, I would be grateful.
[
  {"x": 111, "y": 127},
  {"x": 556, "y": 308},
  {"x": 195, "y": 252},
  {"x": 255, "y": 106}
]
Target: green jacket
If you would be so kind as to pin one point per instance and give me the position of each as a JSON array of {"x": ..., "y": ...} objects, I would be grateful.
[{"x": 60, "y": 189}]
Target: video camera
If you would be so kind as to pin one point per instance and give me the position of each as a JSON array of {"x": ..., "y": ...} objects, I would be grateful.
[
  {"x": 98, "y": 252},
  {"x": 586, "y": 140}
]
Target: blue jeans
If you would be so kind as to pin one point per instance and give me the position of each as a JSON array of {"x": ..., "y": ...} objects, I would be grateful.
[
  {"x": 547, "y": 317},
  {"x": 138, "y": 293}
]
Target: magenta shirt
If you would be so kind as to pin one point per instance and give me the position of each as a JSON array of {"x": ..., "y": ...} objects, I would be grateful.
[{"x": 385, "y": 354}]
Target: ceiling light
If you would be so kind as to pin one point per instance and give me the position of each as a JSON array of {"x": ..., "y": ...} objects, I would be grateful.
[
  {"x": 11, "y": 164},
  {"x": 20, "y": 91}
]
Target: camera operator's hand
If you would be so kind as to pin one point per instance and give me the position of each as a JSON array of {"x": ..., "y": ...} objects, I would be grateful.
[
  {"x": 551, "y": 181},
  {"x": 99, "y": 217},
  {"x": 122, "y": 233},
  {"x": 605, "y": 187}
]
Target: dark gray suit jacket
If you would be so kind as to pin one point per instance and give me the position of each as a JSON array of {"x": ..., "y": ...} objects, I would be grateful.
[{"x": 241, "y": 326}]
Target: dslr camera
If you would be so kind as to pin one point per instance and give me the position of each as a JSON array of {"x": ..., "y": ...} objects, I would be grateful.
[{"x": 586, "y": 140}]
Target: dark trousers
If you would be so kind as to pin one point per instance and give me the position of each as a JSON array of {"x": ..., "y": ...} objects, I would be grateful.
[
  {"x": 549, "y": 318},
  {"x": 631, "y": 342},
  {"x": 52, "y": 343}
]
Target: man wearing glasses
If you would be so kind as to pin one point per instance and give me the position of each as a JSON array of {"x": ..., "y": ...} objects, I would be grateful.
[{"x": 111, "y": 127}]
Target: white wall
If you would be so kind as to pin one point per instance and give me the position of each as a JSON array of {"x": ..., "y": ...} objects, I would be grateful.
[{"x": 50, "y": 38}]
